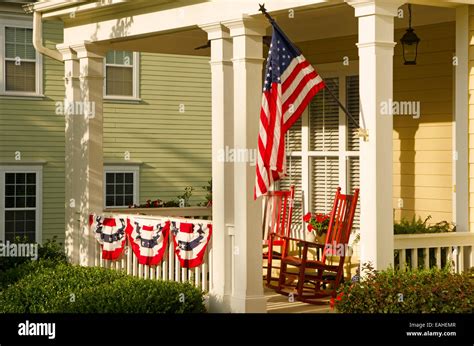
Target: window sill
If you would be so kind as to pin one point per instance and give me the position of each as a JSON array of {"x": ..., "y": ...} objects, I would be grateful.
[
  {"x": 13, "y": 96},
  {"x": 118, "y": 99}
]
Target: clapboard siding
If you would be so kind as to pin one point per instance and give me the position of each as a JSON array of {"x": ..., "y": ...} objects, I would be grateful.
[
  {"x": 33, "y": 128},
  {"x": 175, "y": 147},
  {"x": 471, "y": 118},
  {"x": 422, "y": 148}
]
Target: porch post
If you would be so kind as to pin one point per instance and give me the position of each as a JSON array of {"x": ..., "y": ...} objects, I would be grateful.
[
  {"x": 84, "y": 152},
  {"x": 222, "y": 173},
  {"x": 376, "y": 46},
  {"x": 72, "y": 92},
  {"x": 247, "y": 294}
]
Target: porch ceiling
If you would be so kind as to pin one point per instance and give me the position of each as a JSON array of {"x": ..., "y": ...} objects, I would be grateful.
[{"x": 120, "y": 25}]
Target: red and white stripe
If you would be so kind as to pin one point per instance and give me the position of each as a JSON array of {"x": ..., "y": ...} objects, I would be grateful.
[{"x": 282, "y": 105}]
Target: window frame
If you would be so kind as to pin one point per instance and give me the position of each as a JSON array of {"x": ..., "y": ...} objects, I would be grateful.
[
  {"x": 135, "y": 81},
  {"x": 38, "y": 169},
  {"x": 116, "y": 168},
  {"x": 18, "y": 22},
  {"x": 329, "y": 70}
]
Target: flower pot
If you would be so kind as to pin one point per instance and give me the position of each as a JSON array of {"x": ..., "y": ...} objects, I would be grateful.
[{"x": 315, "y": 238}]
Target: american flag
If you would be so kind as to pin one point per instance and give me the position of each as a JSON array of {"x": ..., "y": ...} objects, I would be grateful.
[{"x": 290, "y": 84}]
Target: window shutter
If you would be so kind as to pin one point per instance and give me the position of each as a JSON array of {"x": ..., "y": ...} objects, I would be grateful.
[
  {"x": 297, "y": 220},
  {"x": 324, "y": 182},
  {"x": 324, "y": 119},
  {"x": 353, "y": 181}
]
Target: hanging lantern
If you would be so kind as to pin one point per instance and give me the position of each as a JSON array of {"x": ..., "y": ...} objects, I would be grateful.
[{"x": 410, "y": 43}]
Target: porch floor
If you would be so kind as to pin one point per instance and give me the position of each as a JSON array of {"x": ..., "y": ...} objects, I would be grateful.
[{"x": 277, "y": 303}]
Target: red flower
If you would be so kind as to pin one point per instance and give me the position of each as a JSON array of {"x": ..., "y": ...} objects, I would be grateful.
[
  {"x": 333, "y": 301},
  {"x": 307, "y": 217},
  {"x": 310, "y": 227},
  {"x": 320, "y": 218},
  {"x": 155, "y": 204}
]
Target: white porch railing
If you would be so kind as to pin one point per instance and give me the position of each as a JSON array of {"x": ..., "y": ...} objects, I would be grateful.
[
  {"x": 168, "y": 270},
  {"x": 418, "y": 251}
]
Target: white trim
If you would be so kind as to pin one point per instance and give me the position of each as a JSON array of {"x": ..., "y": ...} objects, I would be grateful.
[
  {"x": 126, "y": 168},
  {"x": 460, "y": 123},
  {"x": 19, "y": 22},
  {"x": 135, "y": 98},
  {"x": 38, "y": 169}
]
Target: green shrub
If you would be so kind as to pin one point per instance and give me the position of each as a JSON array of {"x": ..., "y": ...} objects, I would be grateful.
[
  {"x": 416, "y": 226},
  {"x": 67, "y": 288},
  {"x": 423, "y": 291},
  {"x": 49, "y": 250}
]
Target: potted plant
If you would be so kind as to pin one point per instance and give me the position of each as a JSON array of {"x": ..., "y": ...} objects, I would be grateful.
[{"x": 317, "y": 227}]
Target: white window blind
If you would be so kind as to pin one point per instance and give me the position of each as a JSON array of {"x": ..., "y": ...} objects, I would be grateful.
[
  {"x": 20, "y": 60},
  {"x": 119, "y": 74}
]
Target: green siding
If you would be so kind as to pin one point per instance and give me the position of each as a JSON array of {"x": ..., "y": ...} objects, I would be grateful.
[
  {"x": 33, "y": 128},
  {"x": 175, "y": 147}
]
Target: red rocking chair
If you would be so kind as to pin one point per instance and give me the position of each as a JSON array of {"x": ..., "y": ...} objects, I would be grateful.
[
  {"x": 277, "y": 213},
  {"x": 316, "y": 275}
]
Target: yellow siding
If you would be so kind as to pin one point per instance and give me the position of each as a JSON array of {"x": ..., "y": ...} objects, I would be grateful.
[
  {"x": 422, "y": 148},
  {"x": 471, "y": 118}
]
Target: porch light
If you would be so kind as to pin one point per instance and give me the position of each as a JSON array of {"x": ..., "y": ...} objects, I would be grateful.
[{"x": 410, "y": 43}]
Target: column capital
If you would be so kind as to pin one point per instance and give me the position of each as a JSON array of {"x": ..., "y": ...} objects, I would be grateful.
[
  {"x": 375, "y": 7},
  {"x": 67, "y": 52},
  {"x": 248, "y": 26},
  {"x": 215, "y": 31},
  {"x": 89, "y": 50}
]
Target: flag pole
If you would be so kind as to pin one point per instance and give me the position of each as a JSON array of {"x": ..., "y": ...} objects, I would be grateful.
[{"x": 361, "y": 132}]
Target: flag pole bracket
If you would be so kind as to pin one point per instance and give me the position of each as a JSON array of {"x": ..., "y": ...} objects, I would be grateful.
[{"x": 364, "y": 134}]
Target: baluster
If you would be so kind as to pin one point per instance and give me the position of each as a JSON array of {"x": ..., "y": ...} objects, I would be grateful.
[{"x": 426, "y": 252}]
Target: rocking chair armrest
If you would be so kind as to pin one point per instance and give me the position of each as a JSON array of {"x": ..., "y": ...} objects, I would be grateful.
[{"x": 290, "y": 238}]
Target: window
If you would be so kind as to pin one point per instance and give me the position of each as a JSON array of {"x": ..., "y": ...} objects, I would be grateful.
[
  {"x": 21, "y": 65},
  {"x": 323, "y": 149},
  {"x": 20, "y": 203},
  {"x": 121, "y": 186},
  {"x": 121, "y": 71}
]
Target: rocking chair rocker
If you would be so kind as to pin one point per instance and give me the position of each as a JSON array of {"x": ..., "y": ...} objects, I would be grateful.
[{"x": 320, "y": 278}]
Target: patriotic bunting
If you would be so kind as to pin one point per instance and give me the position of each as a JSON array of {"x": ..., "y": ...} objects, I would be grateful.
[
  {"x": 190, "y": 241},
  {"x": 110, "y": 233},
  {"x": 149, "y": 238}
]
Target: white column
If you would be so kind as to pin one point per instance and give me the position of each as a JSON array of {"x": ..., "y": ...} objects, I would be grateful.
[
  {"x": 84, "y": 152},
  {"x": 72, "y": 92},
  {"x": 376, "y": 43},
  {"x": 460, "y": 133},
  {"x": 247, "y": 294},
  {"x": 222, "y": 173}
]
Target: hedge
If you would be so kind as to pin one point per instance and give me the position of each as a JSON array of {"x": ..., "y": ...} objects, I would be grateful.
[
  {"x": 47, "y": 286},
  {"x": 420, "y": 291}
]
